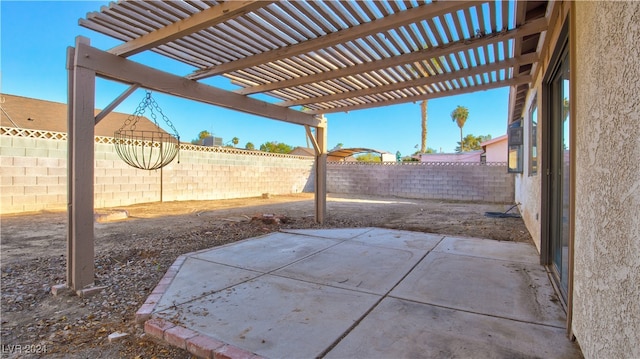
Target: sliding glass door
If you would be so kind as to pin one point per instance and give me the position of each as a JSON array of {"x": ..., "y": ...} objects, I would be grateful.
[{"x": 559, "y": 170}]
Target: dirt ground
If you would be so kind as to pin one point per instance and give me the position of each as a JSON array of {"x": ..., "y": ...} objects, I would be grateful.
[{"x": 132, "y": 254}]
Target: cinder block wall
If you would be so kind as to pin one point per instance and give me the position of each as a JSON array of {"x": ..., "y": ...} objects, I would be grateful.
[
  {"x": 118, "y": 184},
  {"x": 463, "y": 182},
  {"x": 34, "y": 175},
  {"x": 207, "y": 175}
]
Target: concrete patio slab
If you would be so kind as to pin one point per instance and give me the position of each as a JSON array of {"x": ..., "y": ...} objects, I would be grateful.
[
  {"x": 356, "y": 266},
  {"x": 488, "y": 248},
  {"x": 275, "y": 317},
  {"x": 360, "y": 293},
  {"x": 334, "y": 233},
  {"x": 514, "y": 290},
  {"x": 407, "y": 240},
  {"x": 198, "y": 278},
  {"x": 403, "y": 329},
  {"x": 267, "y": 253}
]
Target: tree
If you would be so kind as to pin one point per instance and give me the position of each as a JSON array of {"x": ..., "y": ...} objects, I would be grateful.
[
  {"x": 201, "y": 136},
  {"x": 423, "y": 110},
  {"x": 429, "y": 150},
  {"x": 472, "y": 143},
  {"x": 250, "y": 146},
  {"x": 424, "y": 103},
  {"x": 235, "y": 141},
  {"x": 275, "y": 147},
  {"x": 459, "y": 116},
  {"x": 369, "y": 157}
]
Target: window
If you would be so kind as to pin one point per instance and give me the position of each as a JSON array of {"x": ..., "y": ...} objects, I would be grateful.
[
  {"x": 515, "y": 147},
  {"x": 533, "y": 138}
]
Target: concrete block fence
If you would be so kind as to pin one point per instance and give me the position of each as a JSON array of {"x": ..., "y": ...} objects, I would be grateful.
[
  {"x": 34, "y": 176},
  {"x": 447, "y": 181}
]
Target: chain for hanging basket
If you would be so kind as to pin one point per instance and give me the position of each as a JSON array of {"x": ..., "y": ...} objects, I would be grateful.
[{"x": 147, "y": 149}]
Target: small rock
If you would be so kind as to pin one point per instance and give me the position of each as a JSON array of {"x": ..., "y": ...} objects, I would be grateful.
[{"x": 115, "y": 336}]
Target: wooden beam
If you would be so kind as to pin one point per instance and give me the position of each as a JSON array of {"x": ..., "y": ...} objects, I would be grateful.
[
  {"x": 511, "y": 115},
  {"x": 493, "y": 85},
  {"x": 373, "y": 27},
  {"x": 81, "y": 157},
  {"x": 199, "y": 21},
  {"x": 423, "y": 81},
  {"x": 71, "y": 54},
  {"x": 521, "y": 13},
  {"x": 107, "y": 110},
  {"x": 532, "y": 27},
  {"x": 321, "y": 172},
  {"x": 116, "y": 68},
  {"x": 316, "y": 148}
]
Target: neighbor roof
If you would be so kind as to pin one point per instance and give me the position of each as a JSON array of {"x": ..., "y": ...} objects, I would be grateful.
[
  {"x": 30, "y": 113},
  {"x": 348, "y": 152},
  {"x": 335, "y": 56},
  {"x": 493, "y": 140}
]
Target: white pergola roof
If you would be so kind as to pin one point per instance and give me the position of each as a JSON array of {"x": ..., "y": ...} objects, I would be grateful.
[{"x": 333, "y": 56}]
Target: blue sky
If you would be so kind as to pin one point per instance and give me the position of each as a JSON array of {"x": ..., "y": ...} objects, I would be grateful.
[{"x": 35, "y": 35}]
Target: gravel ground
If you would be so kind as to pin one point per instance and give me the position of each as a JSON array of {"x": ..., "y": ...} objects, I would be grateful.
[{"x": 130, "y": 260}]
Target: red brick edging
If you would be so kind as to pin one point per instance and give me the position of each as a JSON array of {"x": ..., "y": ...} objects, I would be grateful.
[{"x": 195, "y": 343}]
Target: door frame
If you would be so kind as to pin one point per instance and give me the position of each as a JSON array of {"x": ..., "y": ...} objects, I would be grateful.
[{"x": 564, "y": 43}]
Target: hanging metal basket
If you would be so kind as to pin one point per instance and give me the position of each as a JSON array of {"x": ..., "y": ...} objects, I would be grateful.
[{"x": 146, "y": 149}]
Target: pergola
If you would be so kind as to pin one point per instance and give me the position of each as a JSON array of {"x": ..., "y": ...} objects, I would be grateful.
[{"x": 310, "y": 58}]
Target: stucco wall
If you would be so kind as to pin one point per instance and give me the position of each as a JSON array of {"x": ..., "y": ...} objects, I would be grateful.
[
  {"x": 528, "y": 191},
  {"x": 607, "y": 224},
  {"x": 528, "y": 185},
  {"x": 462, "y": 182}
]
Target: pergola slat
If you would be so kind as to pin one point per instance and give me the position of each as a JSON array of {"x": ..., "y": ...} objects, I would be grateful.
[
  {"x": 493, "y": 16},
  {"x": 335, "y": 53},
  {"x": 337, "y": 37},
  {"x": 441, "y": 93},
  {"x": 470, "y": 45},
  {"x": 419, "y": 82},
  {"x": 198, "y": 21}
]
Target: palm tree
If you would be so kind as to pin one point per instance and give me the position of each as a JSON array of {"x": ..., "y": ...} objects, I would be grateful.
[
  {"x": 459, "y": 116},
  {"x": 423, "y": 110},
  {"x": 201, "y": 136},
  {"x": 235, "y": 141}
]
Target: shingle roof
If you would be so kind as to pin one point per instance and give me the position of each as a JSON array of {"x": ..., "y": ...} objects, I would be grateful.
[{"x": 35, "y": 114}]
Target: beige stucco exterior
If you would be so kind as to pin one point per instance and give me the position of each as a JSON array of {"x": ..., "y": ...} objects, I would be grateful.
[
  {"x": 604, "y": 303},
  {"x": 528, "y": 184}
]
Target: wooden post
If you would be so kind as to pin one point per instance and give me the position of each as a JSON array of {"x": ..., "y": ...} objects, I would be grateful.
[
  {"x": 70, "y": 72},
  {"x": 321, "y": 171},
  {"x": 81, "y": 127}
]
